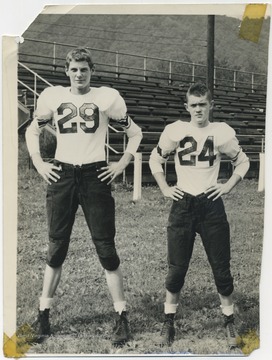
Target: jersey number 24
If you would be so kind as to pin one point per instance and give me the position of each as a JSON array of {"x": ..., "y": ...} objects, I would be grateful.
[{"x": 206, "y": 154}]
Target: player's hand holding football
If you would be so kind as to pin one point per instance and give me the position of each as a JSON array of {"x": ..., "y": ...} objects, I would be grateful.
[
  {"x": 46, "y": 170},
  {"x": 173, "y": 192}
]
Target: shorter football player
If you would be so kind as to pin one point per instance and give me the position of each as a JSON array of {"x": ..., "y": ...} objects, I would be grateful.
[{"x": 198, "y": 207}]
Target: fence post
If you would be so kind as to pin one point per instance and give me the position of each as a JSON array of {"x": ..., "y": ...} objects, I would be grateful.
[
  {"x": 54, "y": 56},
  {"x": 262, "y": 144},
  {"x": 117, "y": 63},
  {"x": 24, "y": 92},
  {"x": 124, "y": 149},
  {"x": 145, "y": 68},
  {"x": 193, "y": 73},
  {"x": 261, "y": 179},
  {"x": 210, "y": 69},
  {"x": 170, "y": 73},
  {"x": 234, "y": 80},
  {"x": 137, "y": 178},
  {"x": 35, "y": 91},
  {"x": 252, "y": 82}
]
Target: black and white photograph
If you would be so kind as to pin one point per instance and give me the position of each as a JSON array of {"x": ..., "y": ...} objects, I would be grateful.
[{"x": 135, "y": 181}]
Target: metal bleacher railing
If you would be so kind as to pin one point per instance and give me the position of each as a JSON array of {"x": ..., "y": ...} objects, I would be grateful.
[{"x": 144, "y": 67}]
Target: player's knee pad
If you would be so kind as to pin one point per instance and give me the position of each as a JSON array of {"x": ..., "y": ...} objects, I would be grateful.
[
  {"x": 57, "y": 252},
  {"x": 175, "y": 278},
  {"x": 107, "y": 254},
  {"x": 224, "y": 282},
  {"x": 55, "y": 261},
  {"x": 226, "y": 291},
  {"x": 110, "y": 263}
]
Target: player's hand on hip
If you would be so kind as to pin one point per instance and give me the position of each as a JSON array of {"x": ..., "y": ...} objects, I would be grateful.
[
  {"x": 46, "y": 170},
  {"x": 216, "y": 191},
  {"x": 173, "y": 192},
  {"x": 110, "y": 172}
]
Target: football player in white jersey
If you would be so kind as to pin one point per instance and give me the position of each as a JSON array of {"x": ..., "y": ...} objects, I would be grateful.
[
  {"x": 80, "y": 175},
  {"x": 198, "y": 207}
]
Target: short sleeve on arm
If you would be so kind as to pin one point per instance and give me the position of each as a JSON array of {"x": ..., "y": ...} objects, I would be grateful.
[
  {"x": 227, "y": 141},
  {"x": 112, "y": 103},
  {"x": 118, "y": 109},
  {"x": 166, "y": 142},
  {"x": 43, "y": 109}
]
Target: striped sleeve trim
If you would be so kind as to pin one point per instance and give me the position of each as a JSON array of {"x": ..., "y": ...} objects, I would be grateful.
[
  {"x": 124, "y": 122},
  {"x": 166, "y": 155},
  {"x": 236, "y": 156},
  {"x": 42, "y": 122}
]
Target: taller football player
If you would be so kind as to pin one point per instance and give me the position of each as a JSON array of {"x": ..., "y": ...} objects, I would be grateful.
[
  {"x": 198, "y": 207},
  {"x": 80, "y": 175}
]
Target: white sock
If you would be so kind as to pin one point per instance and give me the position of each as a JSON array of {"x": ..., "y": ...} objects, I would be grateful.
[
  {"x": 170, "y": 308},
  {"x": 227, "y": 310},
  {"x": 45, "y": 303},
  {"x": 120, "y": 306}
]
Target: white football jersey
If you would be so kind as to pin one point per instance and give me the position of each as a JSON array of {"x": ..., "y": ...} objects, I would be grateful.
[
  {"x": 81, "y": 122},
  {"x": 198, "y": 152}
]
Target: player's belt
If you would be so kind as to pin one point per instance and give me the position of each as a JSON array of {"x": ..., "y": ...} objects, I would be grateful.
[
  {"x": 199, "y": 196},
  {"x": 92, "y": 166}
]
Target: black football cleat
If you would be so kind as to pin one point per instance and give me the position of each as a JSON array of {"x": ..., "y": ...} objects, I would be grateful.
[
  {"x": 232, "y": 334},
  {"x": 121, "y": 332},
  {"x": 41, "y": 326},
  {"x": 167, "y": 335}
]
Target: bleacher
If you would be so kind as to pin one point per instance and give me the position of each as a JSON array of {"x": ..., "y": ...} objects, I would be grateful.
[{"x": 152, "y": 104}]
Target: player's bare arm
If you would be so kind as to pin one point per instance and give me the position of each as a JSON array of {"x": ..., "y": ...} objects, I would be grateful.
[
  {"x": 172, "y": 192},
  {"x": 216, "y": 191},
  {"x": 241, "y": 163},
  {"x": 134, "y": 134},
  {"x": 45, "y": 169},
  {"x": 158, "y": 157}
]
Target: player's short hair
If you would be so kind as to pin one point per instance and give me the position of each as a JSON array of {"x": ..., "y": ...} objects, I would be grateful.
[
  {"x": 79, "y": 54},
  {"x": 199, "y": 89}
]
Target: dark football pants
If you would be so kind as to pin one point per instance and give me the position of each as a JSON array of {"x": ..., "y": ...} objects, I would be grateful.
[
  {"x": 80, "y": 185},
  {"x": 197, "y": 214}
]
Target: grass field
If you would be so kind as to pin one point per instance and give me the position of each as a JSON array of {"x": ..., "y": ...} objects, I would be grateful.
[{"x": 82, "y": 312}]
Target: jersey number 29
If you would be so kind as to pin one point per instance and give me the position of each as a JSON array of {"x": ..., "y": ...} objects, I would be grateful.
[{"x": 74, "y": 111}]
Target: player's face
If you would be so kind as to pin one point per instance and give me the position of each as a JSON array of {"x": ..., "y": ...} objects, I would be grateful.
[
  {"x": 79, "y": 73},
  {"x": 199, "y": 109}
]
